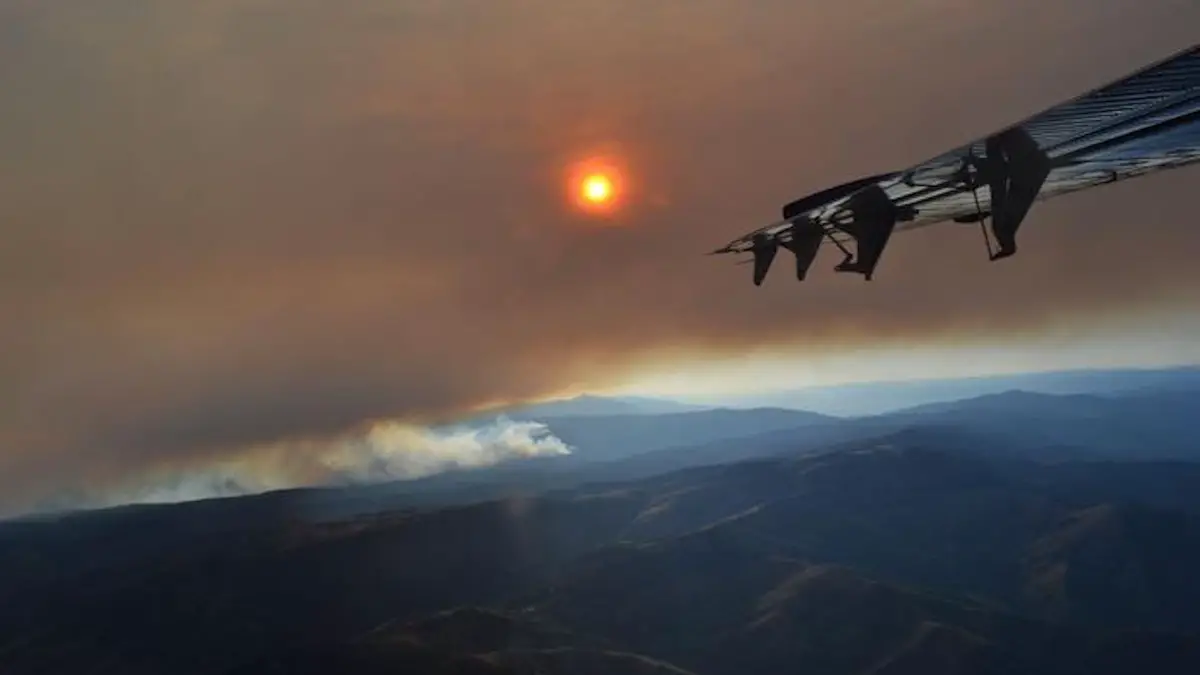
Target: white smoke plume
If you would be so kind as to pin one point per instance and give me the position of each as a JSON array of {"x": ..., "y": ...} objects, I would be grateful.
[
  {"x": 385, "y": 451},
  {"x": 391, "y": 451}
]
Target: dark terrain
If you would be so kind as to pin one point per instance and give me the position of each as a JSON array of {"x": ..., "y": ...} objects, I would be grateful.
[{"x": 932, "y": 541}]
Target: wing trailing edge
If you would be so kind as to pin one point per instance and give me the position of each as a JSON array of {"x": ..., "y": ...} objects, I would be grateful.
[{"x": 1146, "y": 122}]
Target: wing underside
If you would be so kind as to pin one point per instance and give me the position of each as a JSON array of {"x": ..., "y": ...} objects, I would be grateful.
[{"x": 1141, "y": 124}]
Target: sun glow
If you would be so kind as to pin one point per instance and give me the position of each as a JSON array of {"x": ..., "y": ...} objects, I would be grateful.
[{"x": 596, "y": 186}]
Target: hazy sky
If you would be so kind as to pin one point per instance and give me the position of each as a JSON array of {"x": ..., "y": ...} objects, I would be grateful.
[{"x": 236, "y": 222}]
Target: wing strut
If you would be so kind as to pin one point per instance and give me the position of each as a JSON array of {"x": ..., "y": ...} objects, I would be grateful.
[
  {"x": 764, "y": 249},
  {"x": 1015, "y": 169},
  {"x": 873, "y": 217},
  {"x": 804, "y": 242},
  {"x": 987, "y": 241}
]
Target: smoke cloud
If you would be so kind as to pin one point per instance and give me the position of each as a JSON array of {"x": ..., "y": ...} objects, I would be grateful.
[
  {"x": 386, "y": 451},
  {"x": 229, "y": 227},
  {"x": 393, "y": 450}
]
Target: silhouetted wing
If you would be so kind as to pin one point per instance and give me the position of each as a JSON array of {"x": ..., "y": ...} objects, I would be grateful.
[
  {"x": 1147, "y": 122},
  {"x": 1144, "y": 123}
]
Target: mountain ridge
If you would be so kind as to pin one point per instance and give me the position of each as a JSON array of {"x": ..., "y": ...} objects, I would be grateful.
[{"x": 940, "y": 548}]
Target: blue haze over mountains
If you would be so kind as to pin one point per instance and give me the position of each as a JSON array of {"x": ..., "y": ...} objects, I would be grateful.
[
  {"x": 1099, "y": 414},
  {"x": 870, "y": 398},
  {"x": 1050, "y": 528}
]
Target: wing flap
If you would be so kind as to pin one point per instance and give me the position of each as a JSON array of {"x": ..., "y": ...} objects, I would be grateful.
[{"x": 1141, "y": 124}]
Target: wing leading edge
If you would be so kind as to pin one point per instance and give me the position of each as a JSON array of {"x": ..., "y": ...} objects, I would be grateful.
[{"x": 1144, "y": 123}]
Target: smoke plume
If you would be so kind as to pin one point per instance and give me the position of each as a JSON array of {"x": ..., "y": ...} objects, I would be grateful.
[{"x": 385, "y": 451}]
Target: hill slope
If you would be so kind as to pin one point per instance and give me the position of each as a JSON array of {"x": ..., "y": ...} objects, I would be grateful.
[{"x": 884, "y": 555}]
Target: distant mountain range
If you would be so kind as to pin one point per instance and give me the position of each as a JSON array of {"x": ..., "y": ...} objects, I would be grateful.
[
  {"x": 1011, "y": 532},
  {"x": 588, "y": 405},
  {"x": 873, "y": 398},
  {"x": 1142, "y": 423},
  {"x": 902, "y": 553},
  {"x": 602, "y": 428}
]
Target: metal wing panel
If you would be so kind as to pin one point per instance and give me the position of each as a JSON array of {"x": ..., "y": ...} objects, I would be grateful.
[
  {"x": 1147, "y": 122},
  {"x": 1143, "y": 123}
]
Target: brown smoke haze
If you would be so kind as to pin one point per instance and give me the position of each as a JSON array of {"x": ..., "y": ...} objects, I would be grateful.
[{"x": 236, "y": 223}]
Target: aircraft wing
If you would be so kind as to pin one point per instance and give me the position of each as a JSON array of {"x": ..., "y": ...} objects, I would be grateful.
[{"x": 1144, "y": 123}]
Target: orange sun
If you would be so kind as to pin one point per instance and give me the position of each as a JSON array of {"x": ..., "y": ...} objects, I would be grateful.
[{"x": 596, "y": 187}]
